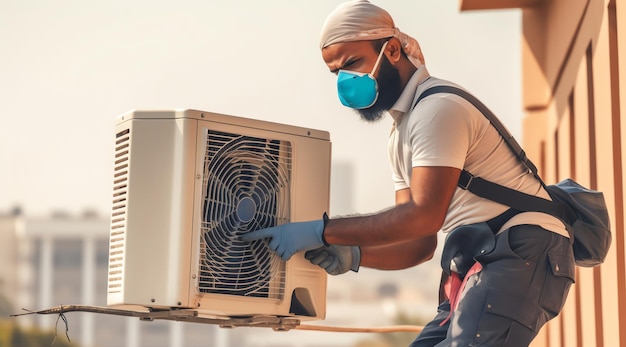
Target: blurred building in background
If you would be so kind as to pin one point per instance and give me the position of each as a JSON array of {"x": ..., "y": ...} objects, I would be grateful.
[{"x": 63, "y": 259}]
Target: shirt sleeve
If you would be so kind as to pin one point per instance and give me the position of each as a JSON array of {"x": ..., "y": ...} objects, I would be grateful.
[
  {"x": 439, "y": 132},
  {"x": 398, "y": 181}
]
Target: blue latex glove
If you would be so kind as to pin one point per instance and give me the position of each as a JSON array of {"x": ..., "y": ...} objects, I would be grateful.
[
  {"x": 336, "y": 259},
  {"x": 290, "y": 238}
]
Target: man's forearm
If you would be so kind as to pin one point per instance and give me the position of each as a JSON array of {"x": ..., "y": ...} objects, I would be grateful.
[
  {"x": 399, "y": 255},
  {"x": 404, "y": 222}
]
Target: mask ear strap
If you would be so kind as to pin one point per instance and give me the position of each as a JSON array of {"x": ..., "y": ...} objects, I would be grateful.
[{"x": 380, "y": 55}]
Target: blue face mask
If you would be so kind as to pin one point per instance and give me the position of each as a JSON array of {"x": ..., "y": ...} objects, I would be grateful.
[{"x": 358, "y": 90}]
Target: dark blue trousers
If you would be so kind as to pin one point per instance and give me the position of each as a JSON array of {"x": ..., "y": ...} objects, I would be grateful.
[{"x": 523, "y": 284}]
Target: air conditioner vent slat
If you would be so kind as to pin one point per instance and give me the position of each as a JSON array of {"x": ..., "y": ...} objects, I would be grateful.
[{"x": 118, "y": 215}]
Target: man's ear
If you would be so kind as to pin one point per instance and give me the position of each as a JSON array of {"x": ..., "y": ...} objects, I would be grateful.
[{"x": 393, "y": 50}]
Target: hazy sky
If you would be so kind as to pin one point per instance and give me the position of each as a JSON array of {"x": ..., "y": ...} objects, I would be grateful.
[{"x": 69, "y": 67}]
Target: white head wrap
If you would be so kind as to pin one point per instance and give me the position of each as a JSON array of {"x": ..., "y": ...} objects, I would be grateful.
[{"x": 360, "y": 20}]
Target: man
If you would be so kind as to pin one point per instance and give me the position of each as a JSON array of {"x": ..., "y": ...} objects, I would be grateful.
[{"x": 521, "y": 281}]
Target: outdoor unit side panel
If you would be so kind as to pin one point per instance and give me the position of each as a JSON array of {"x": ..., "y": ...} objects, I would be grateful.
[
  {"x": 311, "y": 179},
  {"x": 158, "y": 213},
  {"x": 311, "y": 198}
]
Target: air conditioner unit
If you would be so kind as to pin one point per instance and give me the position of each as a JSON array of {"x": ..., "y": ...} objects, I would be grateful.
[{"x": 187, "y": 184}]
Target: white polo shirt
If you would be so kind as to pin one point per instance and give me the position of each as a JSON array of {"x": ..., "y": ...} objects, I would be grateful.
[{"x": 446, "y": 130}]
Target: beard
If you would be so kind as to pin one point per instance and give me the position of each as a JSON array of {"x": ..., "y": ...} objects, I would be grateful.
[{"x": 389, "y": 90}]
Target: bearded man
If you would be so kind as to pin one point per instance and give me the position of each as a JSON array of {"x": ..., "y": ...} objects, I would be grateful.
[{"x": 506, "y": 279}]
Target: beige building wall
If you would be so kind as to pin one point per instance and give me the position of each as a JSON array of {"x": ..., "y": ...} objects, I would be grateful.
[{"x": 574, "y": 86}]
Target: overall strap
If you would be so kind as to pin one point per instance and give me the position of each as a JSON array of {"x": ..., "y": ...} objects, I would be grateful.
[
  {"x": 493, "y": 191},
  {"x": 506, "y": 135}
]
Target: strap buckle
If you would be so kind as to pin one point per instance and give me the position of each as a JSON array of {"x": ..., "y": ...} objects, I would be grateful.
[{"x": 465, "y": 180}]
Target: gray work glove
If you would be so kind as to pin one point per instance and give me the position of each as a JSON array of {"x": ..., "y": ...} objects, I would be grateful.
[
  {"x": 336, "y": 259},
  {"x": 290, "y": 238}
]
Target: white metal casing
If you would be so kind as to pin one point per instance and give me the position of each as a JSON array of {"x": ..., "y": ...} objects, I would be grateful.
[{"x": 155, "y": 227}]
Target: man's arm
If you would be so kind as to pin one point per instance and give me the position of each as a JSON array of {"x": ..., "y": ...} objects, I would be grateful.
[
  {"x": 421, "y": 216},
  {"x": 411, "y": 225},
  {"x": 399, "y": 255}
]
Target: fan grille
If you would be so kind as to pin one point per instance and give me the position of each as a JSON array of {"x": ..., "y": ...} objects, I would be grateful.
[{"x": 246, "y": 187}]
